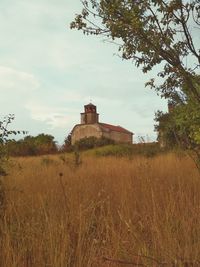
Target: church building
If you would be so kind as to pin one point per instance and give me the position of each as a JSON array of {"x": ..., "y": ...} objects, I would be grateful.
[{"x": 90, "y": 126}]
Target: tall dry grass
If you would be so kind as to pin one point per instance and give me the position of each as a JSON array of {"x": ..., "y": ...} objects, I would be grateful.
[{"x": 61, "y": 215}]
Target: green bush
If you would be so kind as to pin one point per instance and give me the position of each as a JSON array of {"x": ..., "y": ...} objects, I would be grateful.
[
  {"x": 146, "y": 149},
  {"x": 41, "y": 144},
  {"x": 129, "y": 150},
  {"x": 92, "y": 142}
]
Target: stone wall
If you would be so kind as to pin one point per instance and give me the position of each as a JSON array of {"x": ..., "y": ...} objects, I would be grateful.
[
  {"x": 85, "y": 130},
  {"x": 119, "y": 137}
]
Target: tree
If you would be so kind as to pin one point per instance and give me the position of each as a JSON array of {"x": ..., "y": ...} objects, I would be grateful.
[
  {"x": 152, "y": 32},
  {"x": 177, "y": 128},
  {"x": 155, "y": 33},
  {"x": 32, "y": 145},
  {"x": 45, "y": 144},
  {"x": 5, "y": 134},
  {"x": 180, "y": 128},
  {"x": 67, "y": 146}
]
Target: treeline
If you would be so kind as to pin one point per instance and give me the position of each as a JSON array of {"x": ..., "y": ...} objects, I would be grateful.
[
  {"x": 32, "y": 145},
  {"x": 44, "y": 144},
  {"x": 170, "y": 136}
]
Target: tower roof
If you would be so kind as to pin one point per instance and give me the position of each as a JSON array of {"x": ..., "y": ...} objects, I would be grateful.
[{"x": 90, "y": 105}]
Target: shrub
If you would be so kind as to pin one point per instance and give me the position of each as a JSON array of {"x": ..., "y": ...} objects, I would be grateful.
[
  {"x": 30, "y": 146},
  {"x": 67, "y": 146},
  {"x": 129, "y": 150},
  {"x": 5, "y": 134},
  {"x": 146, "y": 149},
  {"x": 92, "y": 142}
]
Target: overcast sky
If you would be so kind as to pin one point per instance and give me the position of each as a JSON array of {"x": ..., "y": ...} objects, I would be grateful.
[{"x": 48, "y": 72}]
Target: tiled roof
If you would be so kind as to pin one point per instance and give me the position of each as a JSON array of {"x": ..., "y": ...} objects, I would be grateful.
[{"x": 114, "y": 128}]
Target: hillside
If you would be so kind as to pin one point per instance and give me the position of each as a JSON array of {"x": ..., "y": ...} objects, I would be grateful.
[{"x": 101, "y": 211}]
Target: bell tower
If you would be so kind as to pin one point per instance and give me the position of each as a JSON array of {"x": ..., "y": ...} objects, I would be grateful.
[{"x": 90, "y": 115}]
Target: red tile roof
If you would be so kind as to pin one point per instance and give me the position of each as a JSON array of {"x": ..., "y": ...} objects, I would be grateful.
[{"x": 115, "y": 128}]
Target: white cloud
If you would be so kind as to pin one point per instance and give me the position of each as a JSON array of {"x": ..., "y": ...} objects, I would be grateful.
[
  {"x": 16, "y": 81},
  {"x": 70, "y": 69},
  {"x": 74, "y": 96},
  {"x": 64, "y": 117},
  {"x": 55, "y": 117}
]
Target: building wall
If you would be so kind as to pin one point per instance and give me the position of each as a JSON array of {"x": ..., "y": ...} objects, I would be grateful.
[
  {"x": 119, "y": 137},
  {"x": 85, "y": 130},
  {"x": 83, "y": 118},
  {"x": 88, "y": 118},
  {"x": 91, "y": 117}
]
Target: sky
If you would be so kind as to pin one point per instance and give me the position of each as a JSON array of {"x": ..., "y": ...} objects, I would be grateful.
[{"x": 48, "y": 72}]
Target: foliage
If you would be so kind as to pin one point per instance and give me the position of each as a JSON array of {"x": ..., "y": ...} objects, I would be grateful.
[
  {"x": 165, "y": 129},
  {"x": 67, "y": 146},
  {"x": 151, "y": 33},
  {"x": 127, "y": 150},
  {"x": 181, "y": 126},
  {"x": 5, "y": 134},
  {"x": 45, "y": 144},
  {"x": 91, "y": 142},
  {"x": 30, "y": 145}
]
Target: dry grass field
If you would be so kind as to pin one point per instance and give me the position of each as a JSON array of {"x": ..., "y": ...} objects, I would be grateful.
[{"x": 106, "y": 212}]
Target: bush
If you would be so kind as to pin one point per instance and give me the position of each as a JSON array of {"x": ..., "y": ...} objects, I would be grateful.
[
  {"x": 41, "y": 144},
  {"x": 147, "y": 149},
  {"x": 107, "y": 147},
  {"x": 92, "y": 142},
  {"x": 129, "y": 150}
]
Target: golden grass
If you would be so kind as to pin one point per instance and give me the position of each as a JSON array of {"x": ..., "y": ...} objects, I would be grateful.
[{"x": 60, "y": 215}]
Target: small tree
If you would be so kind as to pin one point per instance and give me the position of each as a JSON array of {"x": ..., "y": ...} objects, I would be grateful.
[
  {"x": 67, "y": 146},
  {"x": 32, "y": 145},
  {"x": 5, "y": 134},
  {"x": 180, "y": 128},
  {"x": 92, "y": 142},
  {"x": 45, "y": 144}
]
